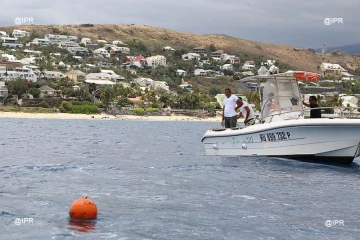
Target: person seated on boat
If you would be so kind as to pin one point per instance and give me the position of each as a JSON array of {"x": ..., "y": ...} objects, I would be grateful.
[
  {"x": 230, "y": 104},
  {"x": 268, "y": 106},
  {"x": 314, "y": 113},
  {"x": 247, "y": 112}
]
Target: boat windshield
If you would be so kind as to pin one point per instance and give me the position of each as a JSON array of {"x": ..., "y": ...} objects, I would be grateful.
[{"x": 281, "y": 99}]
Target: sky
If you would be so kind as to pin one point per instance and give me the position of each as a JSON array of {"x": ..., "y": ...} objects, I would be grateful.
[{"x": 297, "y": 23}]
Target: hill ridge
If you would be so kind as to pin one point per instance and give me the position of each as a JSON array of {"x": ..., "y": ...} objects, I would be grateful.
[{"x": 296, "y": 58}]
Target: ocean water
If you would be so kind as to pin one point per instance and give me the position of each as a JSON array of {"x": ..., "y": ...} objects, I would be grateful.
[{"x": 151, "y": 180}]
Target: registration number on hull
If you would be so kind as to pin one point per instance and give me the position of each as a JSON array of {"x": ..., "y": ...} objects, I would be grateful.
[{"x": 276, "y": 136}]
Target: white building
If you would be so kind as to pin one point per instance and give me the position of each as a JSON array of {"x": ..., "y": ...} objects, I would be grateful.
[
  {"x": 232, "y": 58},
  {"x": 98, "y": 76},
  {"x": 17, "y": 73},
  {"x": 148, "y": 82},
  {"x": 227, "y": 66},
  {"x": 156, "y": 61},
  {"x": 332, "y": 68},
  {"x": 161, "y": 85},
  {"x": 117, "y": 42},
  {"x": 54, "y": 74},
  {"x": 67, "y": 44},
  {"x": 102, "y": 52},
  {"x": 3, "y": 34},
  {"x": 60, "y": 38},
  {"x": 27, "y": 61},
  {"x": 247, "y": 66},
  {"x": 180, "y": 72},
  {"x": 85, "y": 41},
  {"x": 19, "y": 33},
  {"x": 200, "y": 72},
  {"x": 8, "y": 57},
  {"x": 41, "y": 41},
  {"x": 112, "y": 74},
  {"x": 190, "y": 56},
  {"x": 167, "y": 48},
  {"x": 32, "y": 52}
]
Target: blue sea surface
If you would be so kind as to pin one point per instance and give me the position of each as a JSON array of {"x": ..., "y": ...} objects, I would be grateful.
[{"x": 152, "y": 180}]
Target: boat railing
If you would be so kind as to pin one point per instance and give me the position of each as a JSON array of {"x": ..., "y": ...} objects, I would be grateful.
[{"x": 338, "y": 112}]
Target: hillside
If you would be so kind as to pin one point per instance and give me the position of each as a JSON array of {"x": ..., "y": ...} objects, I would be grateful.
[{"x": 156, "y": 38}]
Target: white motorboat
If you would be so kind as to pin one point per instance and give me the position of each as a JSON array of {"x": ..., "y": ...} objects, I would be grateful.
[{"x": 283, "y": 131}]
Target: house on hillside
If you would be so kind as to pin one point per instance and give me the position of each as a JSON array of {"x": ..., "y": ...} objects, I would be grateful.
[
  {"x": 76, "y": 75},
  {"x": 269, "y": 62},
  {"x": 118, "y": 42},
  {"x": 46, "y": 91},
  {"x": 138, "y": 61},
  {"x": 40, "y": 42},
  {"x": 200, "y": 72},
  {"x": 20, "y": 33},
  {"x": 351, "y": 101},
  {"x": 156, "y": 61},
  {"x": 180, "y": 72},
  {"x": 3, "y": 34},
  {"x": 102, "y": 52},
  {"x": 200, "y": 50},
  {"x": 54, "y": 75},
  {"x": 248, "y": 65},
  {"x": 167, "y": 48},
  {"x": 231, "y": 58},
  {"x": 85, "y": 41},
  {"x": 332, "y": 69},
  {"x": 227, "y": 66},
  {"x": 191, "y": 56},
  {"x": 273, "y": 69},
  {"x": 217, "y": 54}
]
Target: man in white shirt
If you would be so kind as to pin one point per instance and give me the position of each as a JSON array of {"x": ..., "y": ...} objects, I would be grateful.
[
  {"x": 231, "y": 103},
  {"x": 247, "y": 112}
]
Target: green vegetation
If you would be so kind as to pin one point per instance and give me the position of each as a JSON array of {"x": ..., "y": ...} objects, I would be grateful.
[
  {"x": 138, "y": 111},
  {"x": 85, "y": 109}
]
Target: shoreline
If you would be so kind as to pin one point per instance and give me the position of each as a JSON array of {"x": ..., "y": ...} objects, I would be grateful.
[{"x": 106, "y": 117}]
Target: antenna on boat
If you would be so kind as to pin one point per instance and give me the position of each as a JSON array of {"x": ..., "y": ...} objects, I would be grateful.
[{"x": 324, "y": 49}]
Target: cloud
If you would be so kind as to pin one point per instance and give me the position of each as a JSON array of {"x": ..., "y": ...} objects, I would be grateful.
[{"x": 299, "y": 23}]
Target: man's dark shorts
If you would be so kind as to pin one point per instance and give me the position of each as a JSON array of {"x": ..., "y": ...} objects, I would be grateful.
[{"x": 231, "y": 122}]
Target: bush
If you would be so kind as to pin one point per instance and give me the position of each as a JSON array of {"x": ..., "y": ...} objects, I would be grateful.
[
  {"x": 151, "y": 110},
  {"x": 138, "y": 111},
  {"x": 44, "y": 104},
  {"x": 35, "y": 92},
  {"x": 65, "y": 106},
  {"x": 85, "y": 109}
]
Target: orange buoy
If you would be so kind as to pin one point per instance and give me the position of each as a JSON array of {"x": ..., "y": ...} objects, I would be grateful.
[{"x": 83, "y": 208}]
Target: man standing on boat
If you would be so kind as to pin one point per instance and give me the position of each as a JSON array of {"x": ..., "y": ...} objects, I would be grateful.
[
  {"x": 314, "y": 113},
  {"x": 230, "y": 104},
  {"x": 247, "y": 112}
]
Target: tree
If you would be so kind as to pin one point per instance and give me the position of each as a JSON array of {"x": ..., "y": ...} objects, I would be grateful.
[
  {"x": 213, "y": 91},
  {"x": 35, "y": 92},
  {"x": 177, "y": 54},
  {"x": 107, "y": 95},
  {"x": 212, "y": 48},
  {"x": 17, "y": 87}
]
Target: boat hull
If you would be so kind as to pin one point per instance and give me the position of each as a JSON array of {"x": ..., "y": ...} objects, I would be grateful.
[{"x": 334, "y": 140}]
